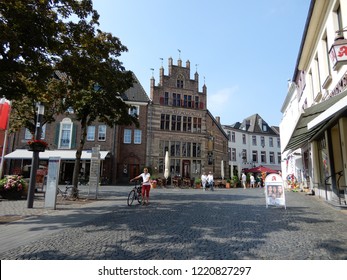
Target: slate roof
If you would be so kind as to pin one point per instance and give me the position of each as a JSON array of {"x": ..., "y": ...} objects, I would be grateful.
[
  {"x": 136, "y": 93},
  {"x": 254, "y": 124}
]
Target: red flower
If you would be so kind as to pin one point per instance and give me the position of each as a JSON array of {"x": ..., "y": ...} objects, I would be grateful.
[{"x": 37, "y": 142}]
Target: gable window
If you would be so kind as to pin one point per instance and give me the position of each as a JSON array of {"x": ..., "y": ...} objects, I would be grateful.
[
  {"x": 127, "y": 136},
  {"x": 137, "y": 136},
  {"x": 180, "y": 83},
  {"x": 102, "y": 132},
  {"x": 271, "y": 142},
  {"x": 134, "y": 111},
  {"x": 91, "y": 133},
  {"x": 65, "y": 134}
]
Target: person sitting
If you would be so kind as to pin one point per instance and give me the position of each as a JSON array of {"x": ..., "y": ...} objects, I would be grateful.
[{"x": 210, "y": 181}]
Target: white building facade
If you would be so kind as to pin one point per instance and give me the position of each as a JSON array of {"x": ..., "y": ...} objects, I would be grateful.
[
  {"x": 253, "y": 143},
  {"x": 314, "y": 124}
]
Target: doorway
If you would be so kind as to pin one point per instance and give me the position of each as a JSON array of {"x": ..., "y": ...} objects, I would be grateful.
[{"x": 186, "y": 168}]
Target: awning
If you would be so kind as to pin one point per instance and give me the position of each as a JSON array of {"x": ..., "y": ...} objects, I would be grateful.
[
  {"x": 63, "y": 154},
  {"x": 302, "y": 134},
  {"x": 333, "y": 111}
]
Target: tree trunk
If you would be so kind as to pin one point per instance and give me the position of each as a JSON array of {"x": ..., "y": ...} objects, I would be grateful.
[{"x": 76, "y": 171}]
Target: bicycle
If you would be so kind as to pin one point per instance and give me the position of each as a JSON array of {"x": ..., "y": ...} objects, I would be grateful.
[
  {"x": 67, "y": 193},
  {"x": 135, "y": 194}
]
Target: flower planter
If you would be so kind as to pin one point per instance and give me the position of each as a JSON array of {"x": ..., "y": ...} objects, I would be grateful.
[
  {"x": 37, "y": 145},
  {"x": 153, "y": 185},
  {"x": 37, "y": 148},
  {"x": 13, "y": 187},
  {"x": 11, "y": 195},
  {"x": 227, "y": 185}
]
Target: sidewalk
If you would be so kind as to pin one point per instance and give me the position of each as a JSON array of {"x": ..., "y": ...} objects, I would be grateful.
[{"x": 34, "y": 223}]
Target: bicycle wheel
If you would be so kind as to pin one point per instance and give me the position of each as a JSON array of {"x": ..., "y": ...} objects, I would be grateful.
[{"x": 131, "y": 197}]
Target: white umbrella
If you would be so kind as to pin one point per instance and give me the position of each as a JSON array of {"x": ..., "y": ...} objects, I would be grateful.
[
  {"x": 167, "y": 165},
  {"x": 222, "y": 169}
]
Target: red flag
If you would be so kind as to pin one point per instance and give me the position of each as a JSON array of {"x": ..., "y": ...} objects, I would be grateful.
[{"x": 4, "y": 114}]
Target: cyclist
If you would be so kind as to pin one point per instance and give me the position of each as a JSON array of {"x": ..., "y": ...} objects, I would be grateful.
[{"x": 146, "y": 185}]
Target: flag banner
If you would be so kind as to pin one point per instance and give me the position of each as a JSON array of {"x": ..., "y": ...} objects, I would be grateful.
[{"x": 4, "y": 114}]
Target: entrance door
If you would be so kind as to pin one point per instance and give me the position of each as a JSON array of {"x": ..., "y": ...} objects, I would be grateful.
[
  {"x": 186, "y": 168},
  {"x": 67, "y": 172}
]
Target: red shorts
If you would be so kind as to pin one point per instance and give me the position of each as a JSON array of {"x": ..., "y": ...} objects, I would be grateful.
[{"x": 145, "y": 190}]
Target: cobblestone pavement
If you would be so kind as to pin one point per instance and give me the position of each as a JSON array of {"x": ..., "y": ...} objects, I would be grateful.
[{"x": 182, "y": 224}]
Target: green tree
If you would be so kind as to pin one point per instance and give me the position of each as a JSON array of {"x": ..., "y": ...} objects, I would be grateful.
[
  {"x": 30, "y": 36},
  {"x": 98, "y": 80},
  {"x": 39, "y": 40}
]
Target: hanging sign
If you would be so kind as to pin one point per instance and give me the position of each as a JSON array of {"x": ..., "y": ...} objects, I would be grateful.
[{"x": 274, "y": 190}]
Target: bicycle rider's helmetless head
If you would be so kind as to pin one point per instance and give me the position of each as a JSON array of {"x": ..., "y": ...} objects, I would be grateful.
[{"x": 145, "y": 170}]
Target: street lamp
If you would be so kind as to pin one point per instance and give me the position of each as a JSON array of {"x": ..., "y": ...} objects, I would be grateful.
[
  {"x": 338, "y": 50},
  {"x": 35, "y": 157}
]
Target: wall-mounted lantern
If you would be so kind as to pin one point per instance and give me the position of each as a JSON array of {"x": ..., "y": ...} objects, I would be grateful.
[{"x": 338, "y": 50}]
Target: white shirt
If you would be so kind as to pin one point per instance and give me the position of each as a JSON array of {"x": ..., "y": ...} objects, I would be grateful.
[
  {"x": 210, "y": 178},
  {"x": 145, "y": 179}
]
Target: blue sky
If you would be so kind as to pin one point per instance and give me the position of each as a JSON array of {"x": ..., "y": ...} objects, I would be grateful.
[{"x": 244, "y": 51}]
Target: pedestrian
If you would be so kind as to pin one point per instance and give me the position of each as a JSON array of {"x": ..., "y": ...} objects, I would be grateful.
[
  {"x": 203, "y": 181},
  {"x": 146, "y": 185},
  {"x": 257, "y": 182},
  {"x": 252, "y": 181},
  {"x": 243, "y": 179},
  {"x": 210, "y": 180}
]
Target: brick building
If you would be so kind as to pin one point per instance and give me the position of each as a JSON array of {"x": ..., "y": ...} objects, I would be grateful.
[
  {"x": 122, "y": 148},
  {"x": 180, "y": 123}
]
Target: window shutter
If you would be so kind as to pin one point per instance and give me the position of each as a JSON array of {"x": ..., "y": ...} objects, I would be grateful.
[
  {"x": 73, "y": 136},
  {"x": 56, "y": 137}
]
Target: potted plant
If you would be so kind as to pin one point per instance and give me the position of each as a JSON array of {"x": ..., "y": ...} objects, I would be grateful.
[
  {"x": 37, "y": 145},
  {"x": 13, "y": 187},
  {"x": 153, "y": 182},
  {"x": 235, "y": 181},
  {"x": 227, "y": 184},
  {"x": 198, "y": 183}
]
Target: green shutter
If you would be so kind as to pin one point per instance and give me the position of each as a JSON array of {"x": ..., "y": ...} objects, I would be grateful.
[
  {"x": 73, "y": 136},
  {"x": 56, "y": 137}
]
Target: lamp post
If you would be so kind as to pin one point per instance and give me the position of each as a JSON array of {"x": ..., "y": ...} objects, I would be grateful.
[{"x": 35, "y": 158}]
